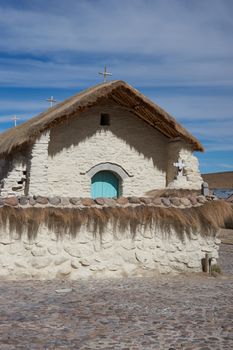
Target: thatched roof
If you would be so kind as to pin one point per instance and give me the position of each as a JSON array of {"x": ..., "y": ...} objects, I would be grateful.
[{"x": 117, "y": 92}]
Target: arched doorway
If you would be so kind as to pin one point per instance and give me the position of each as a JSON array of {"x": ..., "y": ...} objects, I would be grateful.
[{"x": 104, "y": 184}]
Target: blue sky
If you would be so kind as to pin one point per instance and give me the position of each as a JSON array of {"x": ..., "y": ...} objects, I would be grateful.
[{"x": 177, "y": 52}]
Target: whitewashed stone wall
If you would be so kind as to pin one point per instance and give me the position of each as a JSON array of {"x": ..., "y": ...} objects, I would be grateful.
[
  {"x": 47, "y": 257},
  {"x": 58, "y": 164},
  {"x": 192, "y": 178},
  {"x": 38, "y": 178},
  {"x": 78, "y": 145},
  {"x": 12, "y": 171}
]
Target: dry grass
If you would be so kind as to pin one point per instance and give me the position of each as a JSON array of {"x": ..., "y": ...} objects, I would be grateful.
[{"x": 205, "y": 219}]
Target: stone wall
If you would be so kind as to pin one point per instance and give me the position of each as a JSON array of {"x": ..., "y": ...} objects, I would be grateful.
[
  {"x": 111, "y": 254},
  {"x": 59, "y": 163},
  {"x": 81, "y": 143},
  {"x": 191, "y": 178},
  {"x": 191, "y": 200},
  {"x": 13, "y": 174},
  {"x": 115, "y": 252},
  {"x": 37, "y": 176}
]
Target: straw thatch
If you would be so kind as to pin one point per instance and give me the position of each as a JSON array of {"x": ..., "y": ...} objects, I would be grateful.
[
  {"x": 205, "y": 219},
  {"x": 117, "y": 92}
]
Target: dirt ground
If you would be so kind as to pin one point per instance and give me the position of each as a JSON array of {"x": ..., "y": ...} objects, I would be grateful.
[{"x": 168, "y": 313}]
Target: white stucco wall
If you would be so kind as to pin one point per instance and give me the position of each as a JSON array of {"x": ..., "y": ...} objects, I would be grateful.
[
  {"x": 38, "y": 178},
  {"x": 59, "y": 161},
  {"x": 191, "y": 178},
  {"x": 81, "y": 143},
  {"x": 12, "y": 171},
  {"x": 112, "y": 254}
]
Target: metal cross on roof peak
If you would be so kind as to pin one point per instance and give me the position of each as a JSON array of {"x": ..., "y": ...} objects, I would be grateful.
[
  {"x": 105, "y": 74},
  {"x": 51, "y": 100},
  {"x": 15, "y": 120}
]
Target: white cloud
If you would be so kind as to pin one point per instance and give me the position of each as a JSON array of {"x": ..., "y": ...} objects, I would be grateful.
[
  {"x": 198, "y": 107},
  {"x": 9, "y": 118},
  {"x": 148, "y": 43},
  {"x": 224, "y": 147},
  {"x": 226, "y": 166},
  {"x": 187, "y": 37},
  {"x": 165, "y": 27},
  {"x": 147, "y": 73},
  {"x": 22, "y": 105}
]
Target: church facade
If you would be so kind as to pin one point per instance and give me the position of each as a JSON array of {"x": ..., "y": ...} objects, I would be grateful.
[{"x": 107, "y": 141}]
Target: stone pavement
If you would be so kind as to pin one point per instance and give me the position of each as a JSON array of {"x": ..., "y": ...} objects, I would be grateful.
[{"x": 167, "y": 313}]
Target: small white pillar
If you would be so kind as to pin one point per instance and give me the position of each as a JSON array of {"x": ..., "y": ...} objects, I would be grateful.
[{"x": 38, "y": 181}]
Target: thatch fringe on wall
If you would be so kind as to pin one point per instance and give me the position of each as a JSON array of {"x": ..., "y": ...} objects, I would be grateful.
[{"x": 205, "y": 219}]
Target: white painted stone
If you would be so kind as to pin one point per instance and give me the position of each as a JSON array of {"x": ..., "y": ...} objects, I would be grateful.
[
  {"x": 207, "y": 249},
  {"x": 54, "y": 250},
  {"x": 40, "y": 262},
  {"x": 159, "y": 255},
  {"x": 64, "y": 270},
  {"x": 6, "y": 240},
  {"x": 106, "y": 238},
  {"x": 148, "y": 234},
  {"x": 85, "y": 262},
  {"x": 60, "y": 260},
  {"x": 21, "y": 264},
  {"x": 28, "y": 246},
  {"x": 36, "y": 251},
  {"x": 182, "y": 257},
  {"x": 75, "y": 263},
  {"x": 194, "y": 264},
  {"x": 162, "y": 253},
  {"x": 165, "y": 262},
  {"x": 97, "y": 268},
  {"x": 217, "y": 241},
  {"x": 17, "y": 248},
  {"x": 141, "y": 256},
  {"x": 107, "y": 245},
  {"x": 179, "y": 245},
  {"x": 165, "y": 269},
  {"x": 113, "y": 267},
  {"x": 78, "y": 250},
  {"x": 97, "y": 246},
  {"x": 178, "y": 266},
  {"x": 41, "y": 244},
  {"x": 128, "y": 244}
]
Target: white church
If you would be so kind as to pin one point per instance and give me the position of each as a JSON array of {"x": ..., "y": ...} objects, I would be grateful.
[{"x": 107, "y": 141}]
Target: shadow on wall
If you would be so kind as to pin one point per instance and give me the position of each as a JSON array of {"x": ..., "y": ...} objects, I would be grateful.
[
  {"x": 18, "y": 160},
  {"x": 124, "y": 125}
]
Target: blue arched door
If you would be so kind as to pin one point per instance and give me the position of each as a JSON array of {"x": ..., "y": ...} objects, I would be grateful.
[{"x": 104, "y": 184}]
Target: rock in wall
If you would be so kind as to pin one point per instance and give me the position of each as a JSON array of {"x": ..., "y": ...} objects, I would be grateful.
[{"x": 113, "y": 253}]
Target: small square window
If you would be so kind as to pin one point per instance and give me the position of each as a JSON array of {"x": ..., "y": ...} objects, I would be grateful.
[{"x": 104, "y": 119}]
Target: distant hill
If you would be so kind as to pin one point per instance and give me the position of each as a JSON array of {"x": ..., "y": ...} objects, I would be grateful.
[{"x": 223, "y": 180}]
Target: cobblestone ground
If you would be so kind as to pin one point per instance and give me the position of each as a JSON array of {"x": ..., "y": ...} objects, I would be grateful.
[{"x": 182, "y": 312}]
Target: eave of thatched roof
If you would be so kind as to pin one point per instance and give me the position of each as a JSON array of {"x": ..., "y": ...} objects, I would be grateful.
[{"x": 118, "y": 92}]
